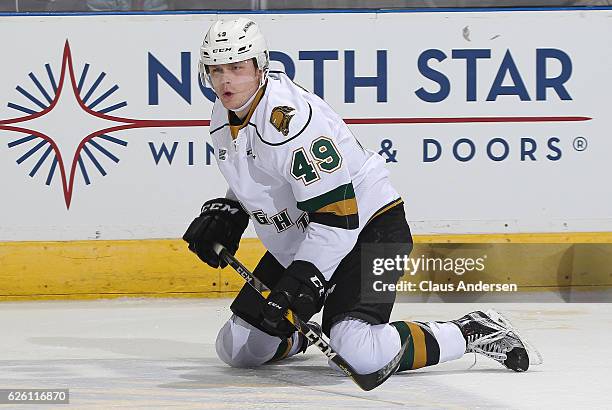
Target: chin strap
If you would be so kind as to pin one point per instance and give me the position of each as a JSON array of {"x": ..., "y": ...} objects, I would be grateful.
[{"x": 250, "y": 100}]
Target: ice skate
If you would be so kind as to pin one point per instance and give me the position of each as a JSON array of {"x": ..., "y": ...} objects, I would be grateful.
[{"x": 492, "y": 335}]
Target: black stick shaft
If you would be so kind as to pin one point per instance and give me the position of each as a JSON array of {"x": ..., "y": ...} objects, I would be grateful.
[{"x": 365, "y": 381}]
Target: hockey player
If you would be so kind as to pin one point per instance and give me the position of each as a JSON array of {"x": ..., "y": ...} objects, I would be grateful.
[{"x": 316, "y": 198}]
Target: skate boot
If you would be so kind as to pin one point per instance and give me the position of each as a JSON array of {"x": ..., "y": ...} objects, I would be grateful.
[
  {"x": 491, "y": 335},
  {"x": 304, "y": 341}
]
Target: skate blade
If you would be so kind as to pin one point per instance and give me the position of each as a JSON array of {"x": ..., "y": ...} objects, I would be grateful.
[{"x": 535, "y": 357}]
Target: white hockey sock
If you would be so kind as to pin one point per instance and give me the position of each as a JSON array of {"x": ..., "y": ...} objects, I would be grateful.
[{"x": 450, "y": 340}]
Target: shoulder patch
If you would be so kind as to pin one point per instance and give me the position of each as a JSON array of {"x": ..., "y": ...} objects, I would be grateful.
[
  {"x": 285, "y": 113},
  {"x": 281, "y": 117}
]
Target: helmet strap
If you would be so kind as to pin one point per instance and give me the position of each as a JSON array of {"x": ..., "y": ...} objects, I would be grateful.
[
  {"x": 262, "y": 82},
  {"x": 249, "y": 101}
]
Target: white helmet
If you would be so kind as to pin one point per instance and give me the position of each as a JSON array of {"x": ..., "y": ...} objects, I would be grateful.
[{"x": 231, "y": 42}]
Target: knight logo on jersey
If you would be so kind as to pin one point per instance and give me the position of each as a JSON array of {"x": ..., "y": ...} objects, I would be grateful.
[{"x": 280, "y": 118}]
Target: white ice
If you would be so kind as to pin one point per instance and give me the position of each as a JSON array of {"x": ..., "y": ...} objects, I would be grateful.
[{"x": 159, "y": 354}]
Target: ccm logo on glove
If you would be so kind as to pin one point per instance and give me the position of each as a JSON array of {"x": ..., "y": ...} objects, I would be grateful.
[
  {"x": 318, "y": 284},
  {"x": 221, "y": 221},
  {"x": 220, "y": 207}
]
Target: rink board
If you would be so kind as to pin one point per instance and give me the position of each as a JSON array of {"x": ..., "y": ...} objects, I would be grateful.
[
  {"x": 492, "y": 122},
  {"x": 164, "y": 268}
]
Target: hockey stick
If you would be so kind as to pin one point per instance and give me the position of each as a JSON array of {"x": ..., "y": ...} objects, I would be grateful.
[{"x": 365, "y": 381}]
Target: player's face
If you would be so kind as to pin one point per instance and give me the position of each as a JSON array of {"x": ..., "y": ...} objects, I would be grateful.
[{"x": 235, "y": 83}]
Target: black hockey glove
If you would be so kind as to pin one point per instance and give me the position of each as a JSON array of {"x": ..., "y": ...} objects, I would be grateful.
[
  {"x": 301, "y": 289},
  {"x": 221, "y": 221}
]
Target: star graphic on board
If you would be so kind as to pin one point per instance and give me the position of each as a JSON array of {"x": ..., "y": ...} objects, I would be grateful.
[{"x": 69, "y": 125}]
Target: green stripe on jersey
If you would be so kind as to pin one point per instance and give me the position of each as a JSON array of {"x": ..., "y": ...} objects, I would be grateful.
[{"x": 340, "y": 193}]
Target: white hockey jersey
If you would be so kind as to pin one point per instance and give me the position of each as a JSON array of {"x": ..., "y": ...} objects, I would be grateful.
[{"x": 305, "y": 180}]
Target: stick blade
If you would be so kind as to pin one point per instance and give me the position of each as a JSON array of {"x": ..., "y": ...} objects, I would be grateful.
[{"x": 372, "y": 380}]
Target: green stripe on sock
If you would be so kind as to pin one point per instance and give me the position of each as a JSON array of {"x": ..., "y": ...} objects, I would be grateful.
[{"x": 408, "y": 359}]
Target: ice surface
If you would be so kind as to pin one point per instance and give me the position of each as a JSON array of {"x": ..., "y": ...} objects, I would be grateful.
[{"x": 153, "y": 353}]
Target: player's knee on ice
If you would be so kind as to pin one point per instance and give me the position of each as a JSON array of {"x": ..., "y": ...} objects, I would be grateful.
[
  {"x": 241, "y": 345},
  {"x": 366, "y": 347}
]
